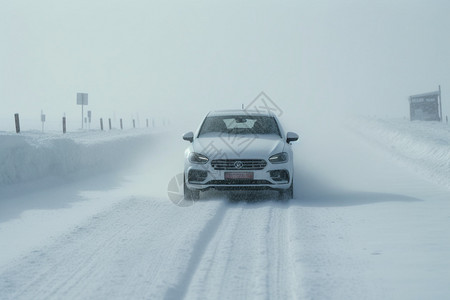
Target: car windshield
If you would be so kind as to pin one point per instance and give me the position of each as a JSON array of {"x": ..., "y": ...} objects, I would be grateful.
[{"x": 240, "y": 125}]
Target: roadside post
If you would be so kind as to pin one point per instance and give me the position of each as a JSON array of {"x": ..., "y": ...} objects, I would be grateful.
[
  {"x": 121, "y": 124},
  {"x": 64, "y": 124},
  {"x": 109, "y": 120},
  {"x": 17, "y": 121},
  {"x": 89, "y": 118},
  {"x": 134, "y": 123},
  {"x": 440, "y": 104},
  {"x": 101, "y": 124}
]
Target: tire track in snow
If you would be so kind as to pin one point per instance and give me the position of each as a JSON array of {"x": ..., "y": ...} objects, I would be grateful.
[
  {"x": 281, "y": 275},
  {"x": 250, "y": 253},
  {"x": 198, "y": 250},
  {"x": 88, "y": 268},
  {"x": 131, "y": 251},
  {"x": 293, "y": 249},
  {"x": 214, "y": 266},
  {"x": 74, "y": 257}
]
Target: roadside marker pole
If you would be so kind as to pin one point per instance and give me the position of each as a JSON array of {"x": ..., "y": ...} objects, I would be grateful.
[
  {"x": 440, "y": 105},
  {"x": 64, "y": 124},
  {"x": 17, "y": 121}
]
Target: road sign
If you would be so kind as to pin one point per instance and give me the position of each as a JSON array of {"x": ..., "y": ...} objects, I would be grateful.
[
  {"x": 82, "y": 99},
  {"x": 426, "y": 107}
]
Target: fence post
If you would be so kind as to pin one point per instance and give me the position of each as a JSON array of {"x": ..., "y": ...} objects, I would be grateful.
[
  {"x": 121, "y": 124},
  {"x": 101, "y": 124},
  {"x": 134, "y": 123},
  {"x": 64, "y": 124},
  {"x": 16, "y": 118},
  {"x": 109, "y": 123}
]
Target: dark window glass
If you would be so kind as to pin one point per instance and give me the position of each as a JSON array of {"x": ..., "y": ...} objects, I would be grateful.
[{"x": 240, "y": 125}]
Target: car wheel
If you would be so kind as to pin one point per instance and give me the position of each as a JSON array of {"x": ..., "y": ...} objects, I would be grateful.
[
  {"x": 190, "y": 194},
  {"x": 287, "y": 194}
]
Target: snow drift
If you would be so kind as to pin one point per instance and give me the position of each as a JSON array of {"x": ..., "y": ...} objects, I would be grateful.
[
  {"x": 35, "y": 155},
  {"x": 422, "y": 146}
]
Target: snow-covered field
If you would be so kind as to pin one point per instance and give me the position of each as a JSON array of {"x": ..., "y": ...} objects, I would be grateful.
[{"x": 369, "y": 220}]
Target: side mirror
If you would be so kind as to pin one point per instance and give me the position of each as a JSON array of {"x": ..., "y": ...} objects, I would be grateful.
[
  {"x": 188, "y": 136},
  {"x": 291, "y": 137}
]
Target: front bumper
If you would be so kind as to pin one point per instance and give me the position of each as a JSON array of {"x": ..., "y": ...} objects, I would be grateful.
[{"x": 272, "y": 176}]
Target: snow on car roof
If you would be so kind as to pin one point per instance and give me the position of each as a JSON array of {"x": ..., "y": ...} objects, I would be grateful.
[{"x": 240, "y": 112}]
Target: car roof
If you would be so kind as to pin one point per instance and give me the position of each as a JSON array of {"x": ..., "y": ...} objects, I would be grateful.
[{"x": 239, "y": 112}]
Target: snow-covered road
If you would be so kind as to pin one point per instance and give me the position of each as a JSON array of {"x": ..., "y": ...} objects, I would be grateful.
[{"x": 361, "y": 226}]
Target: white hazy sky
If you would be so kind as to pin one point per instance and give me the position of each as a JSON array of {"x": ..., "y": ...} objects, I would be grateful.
[{"x": 169, "y": 58}]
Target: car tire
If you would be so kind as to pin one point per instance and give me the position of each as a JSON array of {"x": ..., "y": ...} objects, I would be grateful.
[
  {"x": 190, "y": 194},
  {"x": 287, "y": 194}
]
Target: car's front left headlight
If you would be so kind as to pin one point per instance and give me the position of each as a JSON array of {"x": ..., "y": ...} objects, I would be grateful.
[
  {"x": 279, "y": 158},
  {"x": 198, "y": 158}
]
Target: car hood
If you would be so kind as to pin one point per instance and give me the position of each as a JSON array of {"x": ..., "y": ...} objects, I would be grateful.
[{"x": 239, "y": 146}]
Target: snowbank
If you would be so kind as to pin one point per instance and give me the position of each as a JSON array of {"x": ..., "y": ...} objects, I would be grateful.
[
  {"x": 34, "y": 155},
  {"x": 423, "y": 146}
]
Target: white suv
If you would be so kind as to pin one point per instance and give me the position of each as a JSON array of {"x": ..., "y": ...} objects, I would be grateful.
[{"x": 238, "y": 149}]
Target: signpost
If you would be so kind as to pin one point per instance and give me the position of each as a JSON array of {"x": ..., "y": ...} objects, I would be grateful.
[
  {"x": 42, "y": 120},
  {"x": 82, "y": 99}
]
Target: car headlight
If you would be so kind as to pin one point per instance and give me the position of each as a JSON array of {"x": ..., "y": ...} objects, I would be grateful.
[
  {"x": 198, "y": 158},
  {"x": 279, "y": 158}
]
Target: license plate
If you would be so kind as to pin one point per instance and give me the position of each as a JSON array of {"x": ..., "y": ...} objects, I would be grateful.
[{"x": 238, "y": 175}]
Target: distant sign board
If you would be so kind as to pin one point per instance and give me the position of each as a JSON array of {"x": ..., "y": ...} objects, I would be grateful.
[
  {"x": 82, "y": 99},
  {"x": 426, "y": 107}
]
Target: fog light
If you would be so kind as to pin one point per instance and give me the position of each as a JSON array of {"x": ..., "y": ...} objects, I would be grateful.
[
  {"x": 197, "y": 175},
  {"x": 279, "y": 175}
]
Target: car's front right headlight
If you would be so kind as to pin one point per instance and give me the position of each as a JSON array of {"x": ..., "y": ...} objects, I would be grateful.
[
  {"x": 197, "y": 158},
  {"x": 279, "y": 158}
]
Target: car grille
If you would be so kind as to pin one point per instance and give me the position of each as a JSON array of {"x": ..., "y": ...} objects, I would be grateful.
[{"x": 238, "y": 164}]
